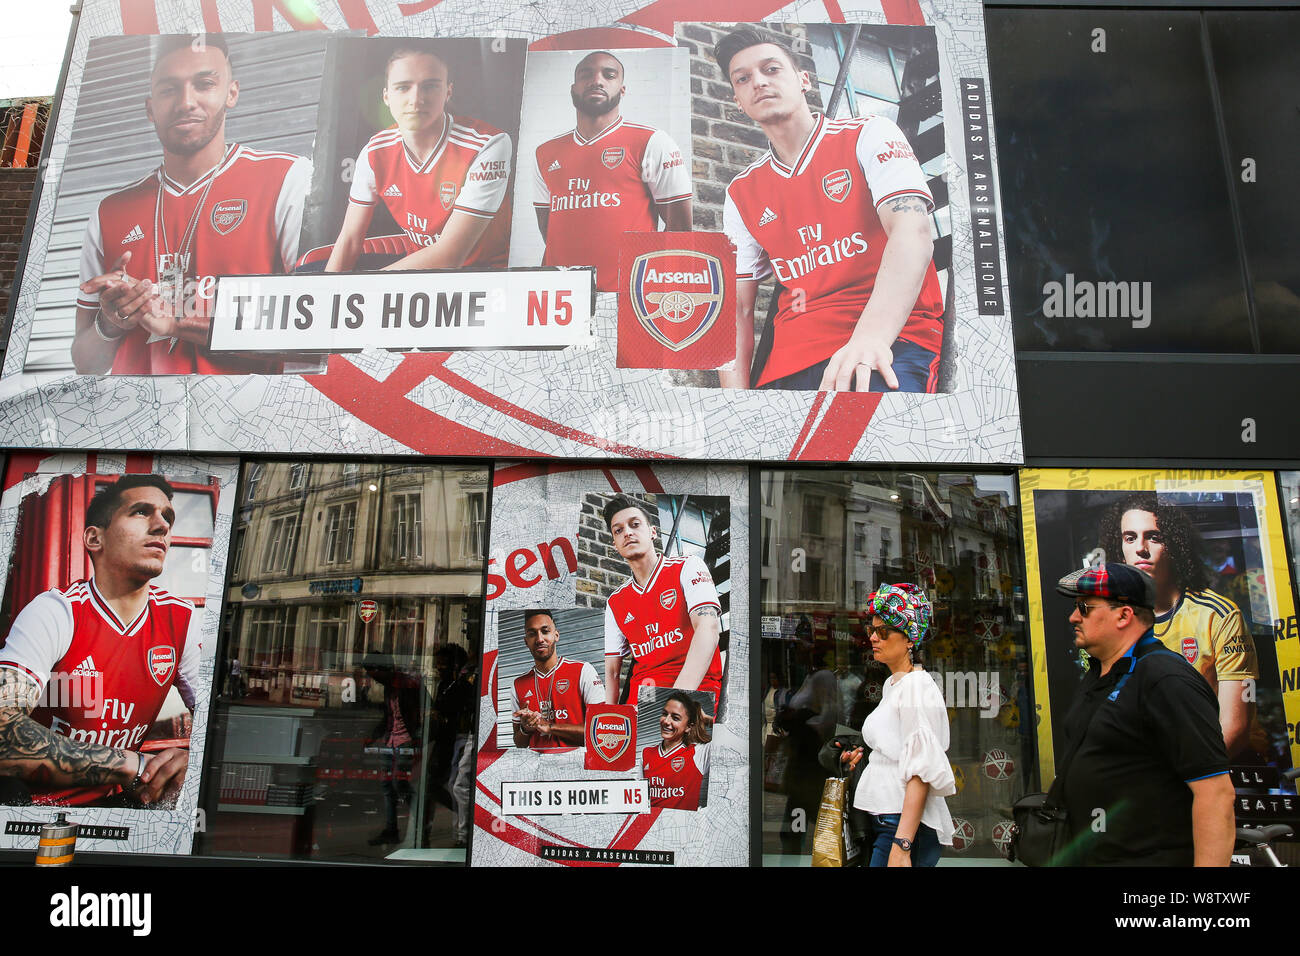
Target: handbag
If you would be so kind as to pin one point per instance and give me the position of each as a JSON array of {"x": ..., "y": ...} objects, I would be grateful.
[
  {"x": 833, "y": 842},
  {"x": 1041, "y": 830}
]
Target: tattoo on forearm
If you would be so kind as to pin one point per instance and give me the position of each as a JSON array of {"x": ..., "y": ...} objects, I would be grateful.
[
  {"x": 39, "y": 755},
  {"x": 907, "y": 204},
  {"x": 707, "y": 612}
]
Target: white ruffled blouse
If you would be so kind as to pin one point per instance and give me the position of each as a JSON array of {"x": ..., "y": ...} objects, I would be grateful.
[{"x": 908, "y": 737}]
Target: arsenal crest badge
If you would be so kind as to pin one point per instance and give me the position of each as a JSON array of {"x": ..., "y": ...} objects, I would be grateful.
[
  {"x": 162, "y": 664},
  {"x": 668, "y": 599},
  {"x": 1190, "y": 649},
  {"x": 367, "y": 610},
  {"x": 611, "y": 737},
  {"x": 612, "y": 158},
  {"x": 837, "y": 185},
  {"x": 562, "y": 686},
  {"x": 678, "y": 763},
  {"x": 228, "y": 214},
  {"x": 677, "y": 295},
  {"x": 447, "y": 194}
]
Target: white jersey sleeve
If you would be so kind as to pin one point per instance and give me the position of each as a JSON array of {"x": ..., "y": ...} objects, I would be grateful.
[
  {"x": 541, "y": 192},
  {"x": 485, "y": 185},
  {"x": 697, "y": 585},
  {"x": 751, "y": 259},
  {"x": 365, "y": 190},
  {"x": 888, "y": 163},
  {"x": 702, "y": 752},
  {"x": 663, "y": 169},
  {"x": 92, "y": 261},
  {"x": 615, "y": 642},
  {"x": 591, "y": 686},
  {"x": 187, "y": 677},
  {"x": 39, "y": 637},
  {"x": 289, "y": 209}
]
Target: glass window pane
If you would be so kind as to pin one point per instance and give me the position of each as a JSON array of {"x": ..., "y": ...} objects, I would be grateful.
[
  {"x": 348, "y": 687},
  {"x": 836, "y": 536},
  {"x": 193, "y": 514},
  {"x": 1255, "y": 62},
  {"x": 1119, "y": 234}
]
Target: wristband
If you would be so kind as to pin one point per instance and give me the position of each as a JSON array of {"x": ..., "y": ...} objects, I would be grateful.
[
  {"x": 115, "y": 336},
  {"x": 141, "y": 760}
]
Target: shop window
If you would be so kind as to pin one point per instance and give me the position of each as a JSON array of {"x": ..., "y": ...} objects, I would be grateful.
[
  {"x": 346, "y": 734},
  {"x": 878, "y": 527}
]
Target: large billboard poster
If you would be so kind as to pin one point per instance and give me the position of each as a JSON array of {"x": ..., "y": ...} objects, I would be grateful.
[
  {"x": 614, "y": 713},
  {"x": 112, "y": 596},
  {"x": 442, "y": 228},
  {"x": 1214, "y": 542}
]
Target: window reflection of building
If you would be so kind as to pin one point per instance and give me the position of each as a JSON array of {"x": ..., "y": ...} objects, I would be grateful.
[{"x": 829, "y": 540}]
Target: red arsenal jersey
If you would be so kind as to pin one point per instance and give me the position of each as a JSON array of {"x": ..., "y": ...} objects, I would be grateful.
[
  {"x": 653, "y": 623},
  {"x": 468, "y": 170},
  {"x": 676, "y": 777},
  {"x": 814, "y": 227},
  {"x": 242, "y": 217},
  {"x": 597, "y": 189},
  {"x": 102, "y": 680},
  {"x": 561, "y": 696}
]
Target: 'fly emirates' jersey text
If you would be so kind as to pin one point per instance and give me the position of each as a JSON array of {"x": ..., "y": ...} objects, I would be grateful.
[
  {"x": 561, "y": 697},
  {"x": 597, "y": 189},
  {"x": 814, "y": 228},
  {"x": 468, "y": 170},
  {"x": 242, "y": 217},
  {"x": 653, "y": 624},
  {"x": 103, "y": 681},
  {"x": 676, "y": 777}
]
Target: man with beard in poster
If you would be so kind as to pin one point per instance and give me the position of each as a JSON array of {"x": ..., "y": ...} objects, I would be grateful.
[
  {"x": 153, "y": 250},
  {"x": 666, "y": 616},
  {"x": 85, "y": 670},
  {"x": 444, "y": 178},
  {"x": 605, "y": 177},
  {"x": 1192, "y": 620},
  {"x": 549, "y": 703},
  {"x": 838, "y": 212}
]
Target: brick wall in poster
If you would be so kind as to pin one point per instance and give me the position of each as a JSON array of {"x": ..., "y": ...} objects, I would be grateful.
[
  {"x": 600, "y": 569},
  {"x": 16, "y": 187}
]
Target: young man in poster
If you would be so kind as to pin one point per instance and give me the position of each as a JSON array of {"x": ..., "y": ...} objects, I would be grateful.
[
  {"x": 605, "y": 177},
  {"x": 838, "y": 213},
  {"x": 666, "y": 616},
  {"x": 1203, "y": 626},
  {"x": 153, "y": 250},
  {"x": 85, "y": 670},
  {"x": 549, "y": 703},
  {"x": 444, "y": 178}
]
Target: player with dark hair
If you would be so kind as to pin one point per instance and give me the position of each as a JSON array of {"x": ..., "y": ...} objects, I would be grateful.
[
  {"x": 1192, "y": 620},
  {"x": 444, "y": 178},
  {"x": 549, "y": 703},
  {"x": 678, "y": 766},
  {"x": 85, "y": 670},
  {"x": 153, "y": 250},
  {"x": 838, "y": 213},
  {"x": 666, "y": 616},
  {"x": 605, "y": 177}
]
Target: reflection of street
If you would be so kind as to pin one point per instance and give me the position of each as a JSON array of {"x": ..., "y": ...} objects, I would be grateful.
[{"x": 299, "y": 782}]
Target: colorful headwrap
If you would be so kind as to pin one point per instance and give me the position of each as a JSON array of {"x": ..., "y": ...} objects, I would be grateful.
[{"x": 903, "y": 607}]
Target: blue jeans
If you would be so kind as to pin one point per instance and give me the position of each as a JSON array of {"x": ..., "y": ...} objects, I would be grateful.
[
  {"x": 925, "y": 847},
  {"x": 917, "y": 370}
]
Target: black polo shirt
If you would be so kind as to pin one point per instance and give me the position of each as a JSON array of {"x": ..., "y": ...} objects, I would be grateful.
[{"x": 1148, "y": 728}]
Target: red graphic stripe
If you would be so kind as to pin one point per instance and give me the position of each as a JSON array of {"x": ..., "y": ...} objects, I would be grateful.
[
  {"x": 905, "y": 12},
  {"x": 138, "y": 16},
  {"x": 468, "y": 388},
  {"x": 21, "y": 464},
  {"x": 833, "y": 11},
  {"x": 264, "y": 15},
  {"x": 211, "y": 16},
  {"x": 613, "y": 482},
  {"x": 139, "y": 464},
  {"x": 649, "y": 480},
  {"x": 384, "y": 406},
  {"x": 842, "y": 427},
  {"x": 527, "y": 470},
  {"x": 663, "y": 14},
  {"x": 807, "y": 426}
]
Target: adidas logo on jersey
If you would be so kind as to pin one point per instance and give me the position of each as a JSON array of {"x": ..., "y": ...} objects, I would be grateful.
[
  {"x": 392, "y": 190},
  {"x": 86, "y": 668},
  {"x": 628, "y": 619},
  {"x": 135, "y": 235},
  {"x": 555, "y": 164},
  {"x": 768, "y": 216}
]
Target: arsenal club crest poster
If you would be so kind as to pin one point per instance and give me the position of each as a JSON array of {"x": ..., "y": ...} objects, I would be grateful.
[
  {"x": 113, "y": 569},
  {"x": 614, "y": 712},
  {"x": 1213, "y": 542},
  {"x": 319, "y": 261}
]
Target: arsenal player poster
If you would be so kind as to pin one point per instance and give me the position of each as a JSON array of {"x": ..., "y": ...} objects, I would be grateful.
[
  {"x": 111, "y": 602},
  {"x": 619, "y": 584},
  {"x": 1213, "y": 542}
]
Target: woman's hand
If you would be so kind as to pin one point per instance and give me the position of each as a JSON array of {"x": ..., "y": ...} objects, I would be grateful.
[
  {"x": 899, "y": 857},
  {"x": 851, "y": 757}
]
